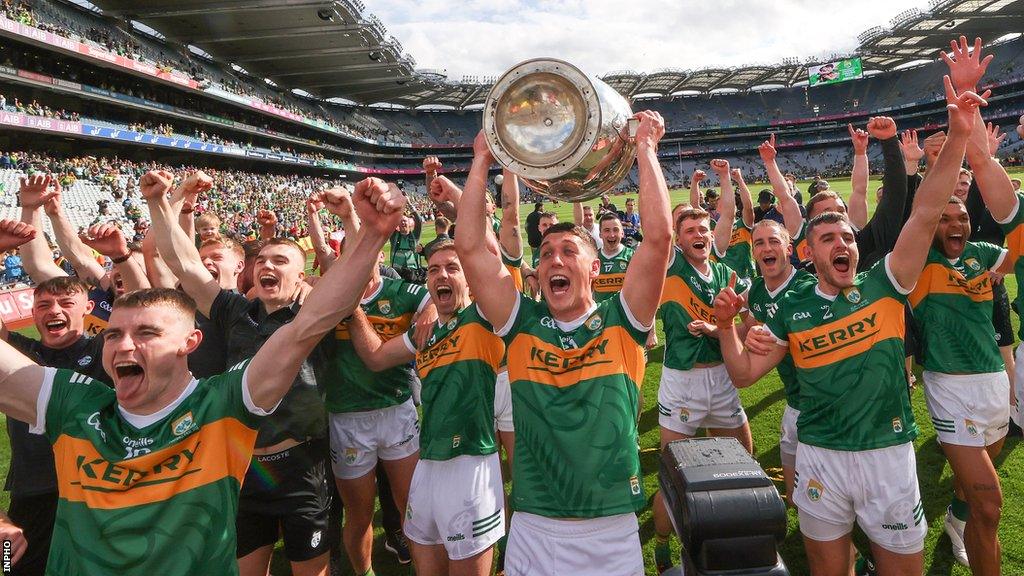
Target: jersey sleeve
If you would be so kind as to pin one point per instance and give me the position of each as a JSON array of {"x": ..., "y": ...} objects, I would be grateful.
[
  {"x": 509, "y": 330},
  {"x": 234, "y": 393},
  {"x": 775, "y": 321},
  {"x": 991, "y": 256},
  {"x": 637, "y": 330},
  {"x": 62, "y": 397},
  {"x": 413, "y": 297},
  {"x": 881, "y": 274},
  {"x": 227, "y": 306}
]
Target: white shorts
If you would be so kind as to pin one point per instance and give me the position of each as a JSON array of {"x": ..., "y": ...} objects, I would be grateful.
[
  {"x": 689, "y": 400},
  {"x": 878, "y": 489},
  {"x": 540, "y": 546},
  {"x": 788, "y": 439},
  {"x": 1018, "y": 385},
  {"x": 503, "y": 404},
  {"x": 968, "y": 409},
  {"x": 358, "y": 439},
  {"x": 459, "y": 503}
]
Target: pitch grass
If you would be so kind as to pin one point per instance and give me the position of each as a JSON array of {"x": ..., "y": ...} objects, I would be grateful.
[{"x": 764, "y": 404}]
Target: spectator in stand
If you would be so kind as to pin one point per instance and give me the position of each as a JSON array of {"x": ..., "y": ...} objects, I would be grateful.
[
  {"x": 13, "y": 270},
  {"x": 631, "y": 222},
  {"x": 766, "y": 208}
]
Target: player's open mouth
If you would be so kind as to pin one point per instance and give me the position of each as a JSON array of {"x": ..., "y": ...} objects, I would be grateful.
[
  {"x": 956, "y": 241},
  {"x": 699, "y": 245},
  {"x": 56, "y": 325},
  {"x": 841, "y": 263},
  {"x": 213, "y": 272},
  {"x": 128, "y": 369},
  {"x": 269, "y": 281},
  {"x": 769, "y": 260},
  {"x": 559, "y": 284},
  {"x": 444, "y": 293}
]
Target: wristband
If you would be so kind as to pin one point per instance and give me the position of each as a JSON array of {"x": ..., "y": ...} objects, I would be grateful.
[{"x": 122, "y": 259}]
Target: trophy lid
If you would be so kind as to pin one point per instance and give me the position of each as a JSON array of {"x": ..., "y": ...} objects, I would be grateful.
[{"x": 541, "y": 118}]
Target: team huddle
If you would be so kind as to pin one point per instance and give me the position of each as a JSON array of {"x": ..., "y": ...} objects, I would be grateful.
[{"x": 227, "y": 397}]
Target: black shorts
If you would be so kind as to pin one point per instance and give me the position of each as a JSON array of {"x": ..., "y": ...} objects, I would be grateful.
[
  {"x": 1001, "y": 315},
  {"x": 288, "y": 494},
  {"x": 35, "y": 516}
]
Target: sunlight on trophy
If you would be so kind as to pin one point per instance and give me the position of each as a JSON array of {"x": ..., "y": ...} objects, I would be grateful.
[{"x": 565, "y": 134}]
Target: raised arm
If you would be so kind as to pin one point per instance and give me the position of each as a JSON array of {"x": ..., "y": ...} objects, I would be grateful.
[
  {"x": 912, "y": 152},
  {"x": 788, "y": 207},
  {"x": 35, "y": 191},
  {"x": 336, "y": 295},
  {"x": 71, "y": 246},
  {"x": 176, "y": 248},
  {"x": 642, "y": 286},
  {"x": 857, "y": 207},
  {"x": 696, "y": 198},
  {"x": 267, "y": 221},
  {"x": 109, "y": 240},
  {"x": 492, "y": 284},
  {"x": 510, "y": 235},
  {"x": 747, "y": 203},
  {"x": 726, "y": 207},
  {"x": 431, "y": 169},
  {"x": 744, "y": 367},
  {"x": 160, "y": 276},
  {"x": 20, "y": 378},
  {"x": 908, "y": 257},
  {"x": 324, "y": 254},
  {"x": 375, "y": 353}
]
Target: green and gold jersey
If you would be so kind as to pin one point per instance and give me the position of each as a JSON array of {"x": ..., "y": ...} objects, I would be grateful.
[
  {"x": 763, "y": 305},
  {"x": 801, "y": 249},
  {"x": 849, "y": 357},
  {"x": 513, "y": 267},
  {"x": 739, "y": 256},
  {"x": 1013, "y": 227},
  {"x": 576, "y": 401},
  {"x": 612, "y": 272},
  {"x": 952, "y": 305},
  {"x": 350, "y": 385},
  {"x": 688, "y": 296},
  {"x": 156, "y": 499},
  {"x": 458, "y": 368}
]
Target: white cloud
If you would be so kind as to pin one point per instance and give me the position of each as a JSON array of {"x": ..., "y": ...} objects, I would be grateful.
[{"x": 486, "y": 37}]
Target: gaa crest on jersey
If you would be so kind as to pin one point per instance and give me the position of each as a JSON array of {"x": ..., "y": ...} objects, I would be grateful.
[
  {"x": 456, "y": 441},
  {"x": 814, "y": 490},
  {"x": 183, "y": 425},
  {"x": 452, "y": 323},
  {"x": 897, "y": 425},
  {"x": 852, "y": 295},
  {"x": 622, "y": 265},
  {"x": 384, "y": 306},
  {"x": 972, "y": 428},
  {"x": 593, "y": 323},
  {"x": 973, "y": 264}
]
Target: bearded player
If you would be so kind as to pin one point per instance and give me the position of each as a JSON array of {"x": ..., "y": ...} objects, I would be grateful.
[
  {"x": 149, "y": 472},
  {"x": 855, "y": 460},
  {"x": 575, "y": 367}
]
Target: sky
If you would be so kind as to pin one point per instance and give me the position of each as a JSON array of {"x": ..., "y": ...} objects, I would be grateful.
[{"x": 487, "y": 37}]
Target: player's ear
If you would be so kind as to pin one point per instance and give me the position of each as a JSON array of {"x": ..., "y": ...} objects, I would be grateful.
[{"x": 192, "y": 341}]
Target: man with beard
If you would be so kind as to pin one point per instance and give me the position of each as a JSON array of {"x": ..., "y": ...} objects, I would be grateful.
[
  {"x": 575, "y": 366},
  {"x": 855, "y": 461},
  {"x": 455, "y": 511},
  {"x": 614, "y": 257}
]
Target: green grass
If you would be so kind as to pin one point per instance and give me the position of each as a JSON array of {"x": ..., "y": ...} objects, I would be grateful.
[{"x": 764, "y": 404}]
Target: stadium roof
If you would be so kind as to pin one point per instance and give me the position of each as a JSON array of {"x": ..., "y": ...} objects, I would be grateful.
[{"x": 335, "y": 49}]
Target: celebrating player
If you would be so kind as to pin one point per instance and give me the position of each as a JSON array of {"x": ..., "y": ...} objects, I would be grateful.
[
  {"x": 845, "y": 336},
  {"x": 575, "y": 367}
]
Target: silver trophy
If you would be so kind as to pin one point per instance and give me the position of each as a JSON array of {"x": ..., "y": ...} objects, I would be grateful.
[{"x": 565, "y": 134}]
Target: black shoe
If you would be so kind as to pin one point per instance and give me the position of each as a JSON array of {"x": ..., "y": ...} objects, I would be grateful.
[
  {"x": 395, "y": 543},
  {"x": 1014, "y": 430}
]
